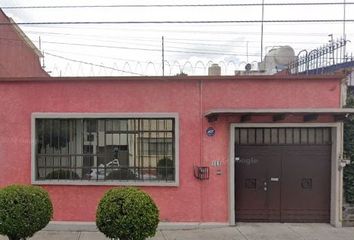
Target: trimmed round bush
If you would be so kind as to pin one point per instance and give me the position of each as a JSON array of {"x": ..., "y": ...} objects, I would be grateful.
[
  {"x": 127, "y": 214},
  {"x": 62, "y": 174},
  {"x": 24, "y": 210}
]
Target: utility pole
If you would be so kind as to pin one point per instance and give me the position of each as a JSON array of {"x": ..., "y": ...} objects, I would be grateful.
[
  {"x": 262, "y": 30},
  {"x": 163, "y": 56},
  {"x": 344, "y": 18}
]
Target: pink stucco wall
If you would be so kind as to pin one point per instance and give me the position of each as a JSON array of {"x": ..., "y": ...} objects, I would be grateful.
[{"x": 190, "y": 97}]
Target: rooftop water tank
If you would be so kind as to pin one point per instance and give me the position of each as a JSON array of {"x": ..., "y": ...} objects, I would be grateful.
[
  {"x": 214, "y": 70},
  {"x": 282, "y": 55},
  {"x": 277, "y": 59}
]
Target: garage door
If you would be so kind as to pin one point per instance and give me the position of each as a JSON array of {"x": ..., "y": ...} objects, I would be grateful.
[{"x": 282, "y": 174}]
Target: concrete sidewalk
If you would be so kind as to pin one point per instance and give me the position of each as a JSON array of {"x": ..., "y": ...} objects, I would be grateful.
[{"x": 243, "y": 231}]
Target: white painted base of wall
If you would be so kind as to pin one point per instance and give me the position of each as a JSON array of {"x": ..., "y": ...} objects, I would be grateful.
[{"x": 91, "y": 226}]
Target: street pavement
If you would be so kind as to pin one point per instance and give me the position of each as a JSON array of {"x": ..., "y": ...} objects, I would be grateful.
[{"x": 243, "y": 231}]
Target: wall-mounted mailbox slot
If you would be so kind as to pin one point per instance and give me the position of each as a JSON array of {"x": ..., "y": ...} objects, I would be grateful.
[{"x": 201, "y": 172}]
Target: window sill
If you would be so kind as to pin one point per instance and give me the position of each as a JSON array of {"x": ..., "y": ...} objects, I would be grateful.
[{"x": 105, "y": 183}]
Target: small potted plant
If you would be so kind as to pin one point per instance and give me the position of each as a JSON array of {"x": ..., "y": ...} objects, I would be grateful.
[{"x": 62, "y": 174}]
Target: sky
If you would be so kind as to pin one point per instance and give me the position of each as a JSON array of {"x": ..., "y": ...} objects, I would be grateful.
[{"x": 135, "y": 49}]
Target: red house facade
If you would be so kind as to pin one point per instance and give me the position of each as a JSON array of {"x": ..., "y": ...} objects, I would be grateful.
[
  {"x": 208, "y": 149},
  {"x": 263, "y": 141}
]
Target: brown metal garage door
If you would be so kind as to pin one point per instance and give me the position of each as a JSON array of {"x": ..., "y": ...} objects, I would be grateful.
[{"x": 282, "y": 174}]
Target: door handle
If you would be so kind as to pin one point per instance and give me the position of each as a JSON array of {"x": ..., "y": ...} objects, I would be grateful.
[{"x": 274, "y": 179}]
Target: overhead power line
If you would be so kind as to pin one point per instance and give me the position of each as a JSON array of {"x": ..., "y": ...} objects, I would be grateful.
[
  {"x": 174, "y": 44},
  {"x": 148, "y": 49},
  {"x": 182, "y": 22},
  {"x": 182, "y": 5},
  {"x": 192, "y": 41},
  {"x": 157, "y": 49},
  {"x": 170, "y": 48},
  {"x": 183, "y": 50},
  {"x": 100, "y": 56},
  {"x": 93, "y": 64},
  {"x": 201, "y": 31}
]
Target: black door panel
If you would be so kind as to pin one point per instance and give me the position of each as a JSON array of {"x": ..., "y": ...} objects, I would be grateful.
[{"x": 282, "y": 183}]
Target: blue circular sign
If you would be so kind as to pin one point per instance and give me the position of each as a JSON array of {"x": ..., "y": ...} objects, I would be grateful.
[{"x": 210, "y": 131}]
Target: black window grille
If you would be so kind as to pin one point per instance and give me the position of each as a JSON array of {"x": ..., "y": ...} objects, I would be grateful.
[{"x": 121, "y": 149}]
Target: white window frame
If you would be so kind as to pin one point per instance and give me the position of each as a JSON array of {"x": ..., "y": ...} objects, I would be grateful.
[{"x": 59, "y": 115}]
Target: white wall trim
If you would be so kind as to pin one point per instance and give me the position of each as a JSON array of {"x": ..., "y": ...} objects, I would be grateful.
[
  {"x": 336, "y": 174},
  {"x": 231, "y": 191},
  {"x": 91, "y": 226},
  {"x": 62, "y": 115},
  {"x": 105, "y": 115}
]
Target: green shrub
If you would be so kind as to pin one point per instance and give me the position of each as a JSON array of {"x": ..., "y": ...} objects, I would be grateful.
[
  {"x": 349, "y": 183},
  {"x": 348, "y": 173},
  {"x": 165, "y": 168},
  {"x": 127, "y": 214},
  {"x": 121, "y": 174},
  {"x": 62, "y": 174},
  {"x": 24, "y": 210}
]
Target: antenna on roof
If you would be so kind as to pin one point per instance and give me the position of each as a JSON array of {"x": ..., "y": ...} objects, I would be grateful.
[
  {"x": 43, "y": 62},
  {"x": 40, "y": 49},
  {"x": 39, "y": 43},
  {"x": 262, "y": 30},
  {"x": 163, "y": 56}
]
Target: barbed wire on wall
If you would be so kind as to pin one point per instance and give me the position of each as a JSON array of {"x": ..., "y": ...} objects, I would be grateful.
[{"x": 81, "y": 68}]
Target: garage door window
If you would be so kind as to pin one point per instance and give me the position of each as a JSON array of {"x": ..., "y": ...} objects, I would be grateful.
[{"x": 275, "y": 136}]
